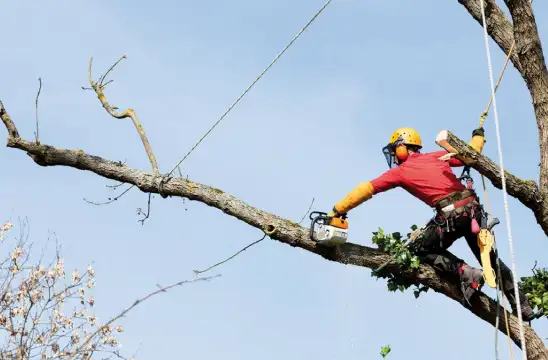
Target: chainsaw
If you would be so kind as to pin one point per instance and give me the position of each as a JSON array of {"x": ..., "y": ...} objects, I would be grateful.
[{"x": 327, "y": 230}]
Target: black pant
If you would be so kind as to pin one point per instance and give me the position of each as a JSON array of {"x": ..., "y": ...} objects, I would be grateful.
[{"x": 440, "y": 233}]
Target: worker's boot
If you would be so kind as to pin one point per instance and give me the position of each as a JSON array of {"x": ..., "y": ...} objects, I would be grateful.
[
  {"x": 471, "y": 280},
  {"x": 527, "y": 312}
]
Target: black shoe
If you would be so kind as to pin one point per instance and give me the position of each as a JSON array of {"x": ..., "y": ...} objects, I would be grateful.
[{"x": 527, "y": 312}]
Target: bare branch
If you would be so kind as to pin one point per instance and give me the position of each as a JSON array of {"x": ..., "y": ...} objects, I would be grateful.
[
  {"x": 231, "y": 257},
  {"x": 37, "y": 97},
  {"x": 147, "y": 214},
  {"x": 137, "y": 302},
  {"x": 12, "y": 130},
  {"x": 110, "y": 200},
  {"x": 307, "y": 211},
  {"x": 102, "y": 79},
  {"x": 129, "y": 113},
  {"x": 115, "y": 186}
]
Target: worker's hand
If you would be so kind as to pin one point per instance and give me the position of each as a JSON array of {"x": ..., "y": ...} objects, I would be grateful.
[
  {"x": 478, "y": 132},
  {"x": 334, "y": 213}
]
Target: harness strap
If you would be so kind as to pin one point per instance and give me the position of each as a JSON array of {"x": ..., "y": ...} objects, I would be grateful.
[{"x": 454, "y": 198}]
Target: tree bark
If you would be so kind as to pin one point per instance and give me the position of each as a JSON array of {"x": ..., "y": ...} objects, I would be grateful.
[
  {"x": 499, "y": 26},
  {"x": 534, "y": 72},
  {"x": 275, "y": 227},
  {"x": 528, "y": 59}
]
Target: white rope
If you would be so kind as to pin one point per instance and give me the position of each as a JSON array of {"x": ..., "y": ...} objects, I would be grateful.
[
  {"x": 253, "y": 83},
  {"x": 502, "y": 175}
]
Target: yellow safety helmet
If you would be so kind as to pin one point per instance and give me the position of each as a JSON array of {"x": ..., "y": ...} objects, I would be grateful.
[
  {"x": 402, "y": 136},
  {"x": 408, "y": 135}
]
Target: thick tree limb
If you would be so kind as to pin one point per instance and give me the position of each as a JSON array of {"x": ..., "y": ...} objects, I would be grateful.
[
  {"x": 499, "y": 26},
  {"x": 534, "y": 72},
  {"x": 529, "y": 60},
  {"x": 275, "y": 227},
  {"x": 526, "y": 191}
]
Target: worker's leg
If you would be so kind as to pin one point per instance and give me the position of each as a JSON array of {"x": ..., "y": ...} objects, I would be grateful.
[
  {"x": 431, "y": 248},
  {"x": 507, "y": 280}
]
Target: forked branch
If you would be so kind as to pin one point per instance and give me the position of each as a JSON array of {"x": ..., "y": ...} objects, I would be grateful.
[{"x": 99, "y": 87}]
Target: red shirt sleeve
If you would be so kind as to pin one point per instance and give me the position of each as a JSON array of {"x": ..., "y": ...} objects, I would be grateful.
[
  {"x": 389, "y": 180},
  {"x": 453, "y": 162}
]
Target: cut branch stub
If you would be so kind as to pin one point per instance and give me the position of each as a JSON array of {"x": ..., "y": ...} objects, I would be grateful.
[{"x": 98, "y": 87}]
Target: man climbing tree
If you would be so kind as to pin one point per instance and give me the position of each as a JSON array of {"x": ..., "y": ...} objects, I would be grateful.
[
  {"x": 528, "y": 60},
  {"x": 429, "y": 178}
]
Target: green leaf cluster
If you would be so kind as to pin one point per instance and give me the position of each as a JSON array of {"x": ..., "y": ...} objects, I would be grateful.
[
  {"x": 394, "y": 244},
  {"x": 385, "y": 350},
  {"x": 536, "y": 289}
]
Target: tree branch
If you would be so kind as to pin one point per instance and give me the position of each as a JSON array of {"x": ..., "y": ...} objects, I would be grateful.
[
  {"x": 529, "y": 60},
  {"x": 526, "y": 191},
  {"x": 98, "y": 87},
  {"x": 135, "y": 303},
  {"x": 534, "y": 72},
  {"x": 37, "y": 98},
  {"x": 499, "y": 26},
  {"x": 275, "y": 227}
]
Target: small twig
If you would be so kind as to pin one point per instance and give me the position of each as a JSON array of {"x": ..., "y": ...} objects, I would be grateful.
[
  {"x": 102, "y": 78},
  {"x": 246, "y": 247},
  {"x": 307, "y": 211},
  {"x": 37, "y": 97},
  {"x": 128, "y": 113},
  {"x": 110, "y": 200},
  {"x": 137, "y": 302},
  {"x": 105, "y": 84},
  {"x": 115, "y": 186},
  {"x": 230, "y": 258},
  {"x": 140, "y": 211}
]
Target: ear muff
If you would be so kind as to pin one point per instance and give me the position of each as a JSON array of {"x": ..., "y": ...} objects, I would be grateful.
[{"x": 401, "y": 153}]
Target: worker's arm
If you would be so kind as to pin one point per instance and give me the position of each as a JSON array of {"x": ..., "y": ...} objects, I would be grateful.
[
  {"x": 478, "y": 139},
  {"x": 366, "y": 190}
]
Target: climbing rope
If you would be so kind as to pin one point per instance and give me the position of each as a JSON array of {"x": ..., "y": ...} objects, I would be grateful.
[
  {"x": 502, "y": 175},
  {"x": 252, "y": 84},
  {"x": 467, "y": 170},
  {"x": 499, "y": 285}
]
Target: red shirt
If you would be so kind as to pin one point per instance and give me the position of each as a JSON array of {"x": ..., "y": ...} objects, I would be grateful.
[{"x": 423, "y": 176}]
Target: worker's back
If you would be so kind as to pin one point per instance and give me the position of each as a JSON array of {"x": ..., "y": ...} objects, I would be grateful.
[
  {"x": 422, "y": 175},
  {"x": 428, "y": 178}
]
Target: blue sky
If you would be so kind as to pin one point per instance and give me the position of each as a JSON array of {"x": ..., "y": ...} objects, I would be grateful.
[{"x": 313, "y": 127}]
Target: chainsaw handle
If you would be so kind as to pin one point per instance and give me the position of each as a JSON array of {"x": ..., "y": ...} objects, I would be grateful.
[{"x": 320, "y": 214}]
